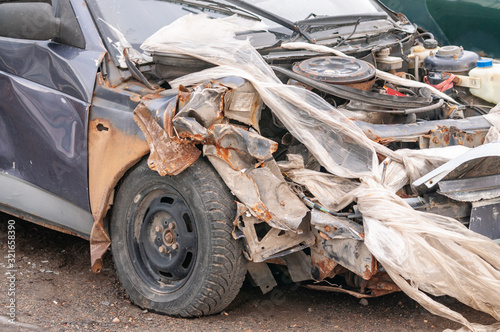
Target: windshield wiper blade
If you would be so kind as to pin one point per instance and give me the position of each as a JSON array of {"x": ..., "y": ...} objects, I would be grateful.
[
  {"x": 272, "y": 17},
  {"x": 341, "y": 20},
  {"x": 216, "y": 6}
]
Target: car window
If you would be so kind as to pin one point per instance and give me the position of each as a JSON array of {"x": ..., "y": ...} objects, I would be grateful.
[{"x": 139, "y": 19}]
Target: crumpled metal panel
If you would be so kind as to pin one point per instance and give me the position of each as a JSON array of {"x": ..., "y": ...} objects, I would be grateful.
[
  {"x": 284, "y": 205},
  {"x": 167, "y": 156},
  {"x": 231, "y": 137},
  {"x": 206, "y": 105},
  {"x": 268, "y": 197},
  {"x": 322, "y": 267},
  {"x": 449, "y": 136},
  {"x": 189, "y": 128},
  {"x": 245, "y": 105},
  {"x": 336, "y": 227},
  {"x": 351, "y": 254},
  {"x": 275, "y": 243}
]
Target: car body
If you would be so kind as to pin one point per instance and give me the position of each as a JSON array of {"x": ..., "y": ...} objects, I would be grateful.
[
  {"x": 187, "y": 182},
  {"x": 478, "y": 29}
]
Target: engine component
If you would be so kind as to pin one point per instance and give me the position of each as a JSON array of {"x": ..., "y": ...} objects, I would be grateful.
[
  {"x": 452, "y": 59},
  {"x": 338, "y": 70},
  {"x": 386, "y": 62}
]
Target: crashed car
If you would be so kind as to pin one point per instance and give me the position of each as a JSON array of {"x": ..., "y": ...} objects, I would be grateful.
[{"x": 327, "y": 138}]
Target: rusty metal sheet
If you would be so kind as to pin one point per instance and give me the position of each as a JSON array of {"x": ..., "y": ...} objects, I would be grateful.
[
  {"x": 268, "y": 197},
  {"x": 205, "y": 104},
  {"x": 285, "y": 207},
  {"x": 245, "y": 105},
  {"x": 189, "y": 128},
  {"x": 231, "y": 137},
  {"x": 240, "y": 184},
  {"x": 380, "y": 284},
  {"x": 336, "y": 227},
  {"x": 275, "y": 242},
  {"x": 111, "y": 153},
  {"x": 322, "y": 267},
  {"x": 325, "y": 288},
  {"x": 448, "y": 136},
  {"x": 167, "y": 157},
  {"x": 299, "y": 266},
  {"x": 351, "y": 254},
  {"x": 262, "y": 276}
]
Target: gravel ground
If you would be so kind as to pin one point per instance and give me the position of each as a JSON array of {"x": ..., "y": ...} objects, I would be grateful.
[{"x": 56, "y": 291}]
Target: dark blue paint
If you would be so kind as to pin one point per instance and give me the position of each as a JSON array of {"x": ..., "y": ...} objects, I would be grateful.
[{"x": 45, "y": 92}]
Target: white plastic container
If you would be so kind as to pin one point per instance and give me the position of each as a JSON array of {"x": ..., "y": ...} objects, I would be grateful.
[
  {"x": 489, "y": 74},
  {"x": 419, "y": 53}
]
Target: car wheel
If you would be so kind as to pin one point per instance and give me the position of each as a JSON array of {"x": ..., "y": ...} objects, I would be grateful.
[{"x": 171, "y": 241}]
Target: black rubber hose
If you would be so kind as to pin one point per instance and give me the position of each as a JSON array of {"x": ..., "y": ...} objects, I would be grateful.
[{"x": 372, "y": 98}]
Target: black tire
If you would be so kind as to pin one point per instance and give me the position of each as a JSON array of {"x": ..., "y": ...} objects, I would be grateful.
[{"x": 196, "y": 277}]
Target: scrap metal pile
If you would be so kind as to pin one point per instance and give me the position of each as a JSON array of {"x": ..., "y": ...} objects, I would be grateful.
[{"x": 328, "y": 177}]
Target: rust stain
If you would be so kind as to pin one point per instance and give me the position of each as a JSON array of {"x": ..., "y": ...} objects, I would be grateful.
[
  {"x": 190, "y": 137},
  {"x": 446, "y": 138},
  {"x": 183, "y": 96},
  {"x": 381, "y": 284},
  {"x": 168, "y": 117},
  {"x": 167, "y": 156},
  {"x": 111, "y": 153},
  {"x": 325, "y": 267},
  {"x": 370, "y": 270},
  {"x": 262, "y": 212}
]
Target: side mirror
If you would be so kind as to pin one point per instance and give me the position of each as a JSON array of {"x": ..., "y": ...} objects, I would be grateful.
[{"x": 28, "y": 21}]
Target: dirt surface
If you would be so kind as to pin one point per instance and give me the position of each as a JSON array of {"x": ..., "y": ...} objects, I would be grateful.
[{"x": 56, "y": 291}]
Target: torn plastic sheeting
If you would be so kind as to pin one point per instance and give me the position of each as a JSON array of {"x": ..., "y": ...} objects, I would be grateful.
[
  {"x": 166, "y": 156},
  {"x": 331, "y": 191},
  {"x": 344, "y": 150},
  {"x": 424, "y": 252},
  {"x": 267, "y": 196}
]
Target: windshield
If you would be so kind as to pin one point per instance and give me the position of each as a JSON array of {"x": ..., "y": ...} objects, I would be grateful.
[
  {"x": 299, "y": 9},
  {"x": 138, "y": 19}
]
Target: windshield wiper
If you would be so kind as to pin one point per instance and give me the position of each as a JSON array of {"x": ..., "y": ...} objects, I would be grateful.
[
  {"x": 216, "y": 6},
  {"x": 272, "y": 17},
  {"x": 341, "y": 20}
]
